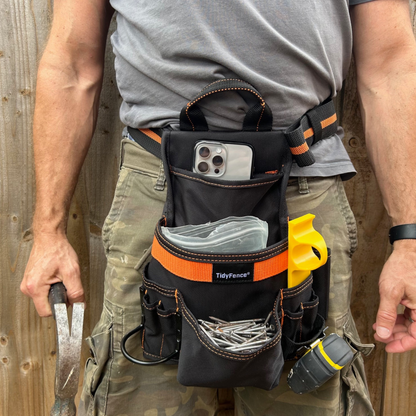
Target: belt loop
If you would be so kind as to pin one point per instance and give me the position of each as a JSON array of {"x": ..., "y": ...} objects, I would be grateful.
[
  {"x": 161, "y": 179},
  {"x": 122, "y": 152},
  {"x": 303, "y": 185}
]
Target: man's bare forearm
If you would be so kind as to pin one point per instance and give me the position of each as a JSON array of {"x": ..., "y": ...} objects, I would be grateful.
[
  {"x": 64, "y": 121},
  {"x": 67, "y": 95},
  {"x": 385, "y": 52},
  {"x": 388, "y": 107}
]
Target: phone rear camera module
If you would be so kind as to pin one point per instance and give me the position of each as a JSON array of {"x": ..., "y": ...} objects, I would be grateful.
[
  {"x": 204, "y": 152},
  {"x": 203, "y": 167},
  {"x": 217, "y": 160}
]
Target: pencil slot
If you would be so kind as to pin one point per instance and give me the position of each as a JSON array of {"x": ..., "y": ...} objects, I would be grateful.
[
  {"x": 159, "y": 332},
  {"x": 301, "y": 322}
]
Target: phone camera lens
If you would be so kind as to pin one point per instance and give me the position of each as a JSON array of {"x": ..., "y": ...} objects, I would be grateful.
[
  {"x": 203, "y": 167},
  {"x": 204, "y": 152},
  {"x": 217, "y": 160}
]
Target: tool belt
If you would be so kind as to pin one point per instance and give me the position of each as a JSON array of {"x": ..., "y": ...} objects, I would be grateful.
[{"x": 181, "y": 287}]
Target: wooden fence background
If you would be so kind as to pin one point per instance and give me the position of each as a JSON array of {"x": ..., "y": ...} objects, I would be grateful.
[{"x": 27, "y": 343}]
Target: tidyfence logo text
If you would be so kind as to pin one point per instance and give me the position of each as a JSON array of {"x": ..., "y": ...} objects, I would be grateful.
[
  {"x": 227, "y": 276},
  {"x": 233, "y": 272}
]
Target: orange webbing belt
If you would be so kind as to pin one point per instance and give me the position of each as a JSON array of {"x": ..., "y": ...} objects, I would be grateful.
[
  {"x": 202, "y": 272},
  {"x": 149, "y": 139},
  {"x": 303, "y": 148},
  {"x": 152, "y": 135}
]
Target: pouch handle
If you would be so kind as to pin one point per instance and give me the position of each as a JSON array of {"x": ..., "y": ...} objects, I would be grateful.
[{"x": 258, "y": 118}]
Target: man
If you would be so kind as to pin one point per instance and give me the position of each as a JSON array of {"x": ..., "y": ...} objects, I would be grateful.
[{"x": 296, "y": 54}]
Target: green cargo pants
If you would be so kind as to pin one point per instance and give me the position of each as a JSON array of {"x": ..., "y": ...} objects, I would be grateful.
[{"x": 115, "y": 387}]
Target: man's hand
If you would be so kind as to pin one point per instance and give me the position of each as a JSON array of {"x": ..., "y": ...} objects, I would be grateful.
[
  {"x": 52, "y": 260},
  {"x": 397, "y": 286}
]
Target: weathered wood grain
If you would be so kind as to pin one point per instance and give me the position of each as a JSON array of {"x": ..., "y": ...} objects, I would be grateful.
[
  {"x": 26, "y": 342},
  {"x": 400, "y": 384}
]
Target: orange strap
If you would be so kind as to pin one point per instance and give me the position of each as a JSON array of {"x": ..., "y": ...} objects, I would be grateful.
[
  {"x": 202, "y": 272},
  {"x": 152, "y": 135}
]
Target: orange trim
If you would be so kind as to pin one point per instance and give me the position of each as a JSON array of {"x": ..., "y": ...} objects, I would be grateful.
[
  {"x": 330, "y": 120},
  {"x": 191, "y": 270},
  {"x": 177, "y": 303},
  {"x": 300, "y": 149},
  {"x": 270, "y": 267},
  {"x": 202, "y": 272},
  {"x": 308, "y": 133},
  {"x": 152, "y": 135}
]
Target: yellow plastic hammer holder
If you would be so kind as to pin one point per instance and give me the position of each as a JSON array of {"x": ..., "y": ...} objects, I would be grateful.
[{"x": 303, "y": 238}]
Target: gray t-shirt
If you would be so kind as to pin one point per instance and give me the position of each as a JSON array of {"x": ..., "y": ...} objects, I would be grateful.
[{"x": 296, "y": 53}]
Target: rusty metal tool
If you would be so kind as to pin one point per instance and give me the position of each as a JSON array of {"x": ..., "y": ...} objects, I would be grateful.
[{"x": 68, "y": 351}]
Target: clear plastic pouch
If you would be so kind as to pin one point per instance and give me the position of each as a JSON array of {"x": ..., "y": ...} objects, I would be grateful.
[{"x": 229, "y": 235}]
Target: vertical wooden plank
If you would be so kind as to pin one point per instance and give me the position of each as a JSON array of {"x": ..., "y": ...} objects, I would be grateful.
[
  {"x": 400, "y": 385},
  {"x": 26, "y": 342},
  {"x": 400, "y": 379}
]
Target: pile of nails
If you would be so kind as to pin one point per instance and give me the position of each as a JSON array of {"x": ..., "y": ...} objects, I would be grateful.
[{"x": 238, "y": 336}]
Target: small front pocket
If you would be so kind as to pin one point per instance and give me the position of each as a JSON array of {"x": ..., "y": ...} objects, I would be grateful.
[{"x": 198, "y": 200}]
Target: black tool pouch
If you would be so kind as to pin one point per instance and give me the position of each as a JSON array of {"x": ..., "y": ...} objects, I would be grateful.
[{"x": 181, "y": 287}]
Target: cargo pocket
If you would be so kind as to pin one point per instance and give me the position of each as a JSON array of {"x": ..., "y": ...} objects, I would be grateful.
[
  {"x": 117, "y": 205},
  {"x": 97, "y": 367},
  {"x": 356, "y": 398}
]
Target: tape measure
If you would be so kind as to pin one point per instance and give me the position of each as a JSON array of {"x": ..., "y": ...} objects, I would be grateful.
[{"x": 324, "y": 359}]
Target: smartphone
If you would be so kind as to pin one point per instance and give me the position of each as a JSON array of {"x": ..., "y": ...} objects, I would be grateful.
[{"x": 223, "y": 160}]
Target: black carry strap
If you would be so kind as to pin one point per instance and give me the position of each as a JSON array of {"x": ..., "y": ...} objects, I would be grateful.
[{"x": 258, "y": 118}]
